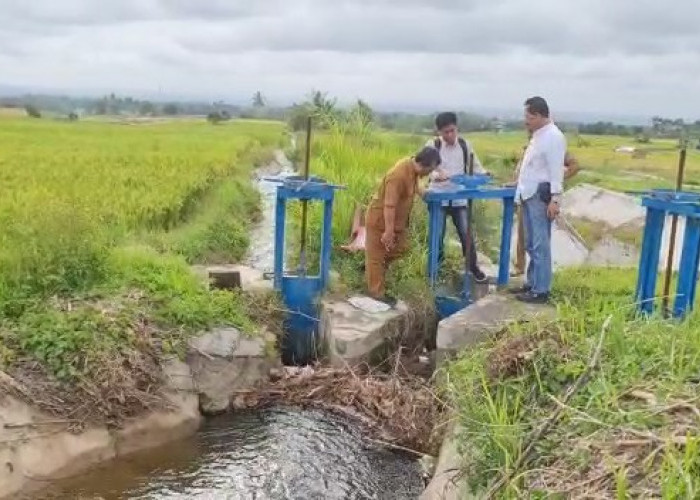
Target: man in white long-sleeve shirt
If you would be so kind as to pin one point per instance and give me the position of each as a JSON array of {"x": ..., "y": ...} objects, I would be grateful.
[
  {"x": 539, "y": 190},
  {"x": 454, "y": 158}
]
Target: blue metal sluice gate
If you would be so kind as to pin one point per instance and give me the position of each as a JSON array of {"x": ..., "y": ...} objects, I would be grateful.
[
  {"x": 659, "y": 204},
  {"x": 466, "y": 188},
  {"x": 300, "y": 291}
]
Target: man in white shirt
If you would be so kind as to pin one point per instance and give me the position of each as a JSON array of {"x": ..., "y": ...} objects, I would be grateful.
[
  {"x": 539, "y": 190},
  {"x": 454, "y": 158}
]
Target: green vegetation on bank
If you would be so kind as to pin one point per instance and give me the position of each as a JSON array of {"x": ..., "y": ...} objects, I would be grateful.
[
  {"x": 99, "y": 224},
  {"x": 631, "y": 430}
]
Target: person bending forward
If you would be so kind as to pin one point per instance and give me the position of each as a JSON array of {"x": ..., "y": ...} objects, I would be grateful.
[{"x": 388, "y": 216}]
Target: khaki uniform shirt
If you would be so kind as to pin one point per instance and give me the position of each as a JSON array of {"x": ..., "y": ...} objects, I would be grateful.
[{"x": 396, "y": 191}]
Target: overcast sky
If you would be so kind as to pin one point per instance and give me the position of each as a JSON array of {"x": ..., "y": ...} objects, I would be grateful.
[{"x": 637, "y": 57}]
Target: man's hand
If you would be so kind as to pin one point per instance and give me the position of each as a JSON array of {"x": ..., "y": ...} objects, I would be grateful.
[
  {"x": 553, "y": 210},
  {"x": 441, "y": 176},
  {"x": 388, "y": 239}
]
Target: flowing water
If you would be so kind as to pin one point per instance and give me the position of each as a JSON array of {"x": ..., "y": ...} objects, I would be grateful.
[
  {"x": 273, "y": 454},
  {"x": 262, "y": 242}
]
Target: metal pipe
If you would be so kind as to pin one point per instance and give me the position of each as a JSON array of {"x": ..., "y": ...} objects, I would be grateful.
[
  {"x": 674, "y": 227},
  {"x": 304, "y": 203}
]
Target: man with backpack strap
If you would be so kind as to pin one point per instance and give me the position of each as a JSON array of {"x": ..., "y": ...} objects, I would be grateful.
[{"x": 454, "y": 160}]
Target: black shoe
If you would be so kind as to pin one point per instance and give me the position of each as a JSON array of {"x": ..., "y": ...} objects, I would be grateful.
[
  {"x": 533, "y": 298},
  {"x": 479, "y": 276},
  {"x": 518, "y": 290}
]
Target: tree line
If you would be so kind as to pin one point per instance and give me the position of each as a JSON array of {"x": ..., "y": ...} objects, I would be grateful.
[{"x": 327, "y": 110}]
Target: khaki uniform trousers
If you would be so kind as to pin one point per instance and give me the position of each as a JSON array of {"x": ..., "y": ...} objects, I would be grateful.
[{"x": 377, "y": 259}]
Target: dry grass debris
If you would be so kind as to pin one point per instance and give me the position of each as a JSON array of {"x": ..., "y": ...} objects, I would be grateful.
[{"x": 399, "y": 410}]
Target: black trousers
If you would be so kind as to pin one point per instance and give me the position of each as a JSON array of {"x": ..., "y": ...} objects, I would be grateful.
[{"x": 465, "y": 233}]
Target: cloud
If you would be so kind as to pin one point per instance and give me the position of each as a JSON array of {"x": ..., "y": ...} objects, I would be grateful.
[{"x": 627, "y": 56}]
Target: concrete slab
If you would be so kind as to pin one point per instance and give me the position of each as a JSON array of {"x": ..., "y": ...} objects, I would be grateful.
[
  {"x": 352, "y": 336},
  {"x": 34, "y": 455},
  {"x": 454, "y": 287},
  {"x": 177, "y": 375},
  {"x": 612, "y": 208},
  {"x": 567, "y": 249},
  {"x": 611, "y": 252},
  {"x": 482, "y": 319}
]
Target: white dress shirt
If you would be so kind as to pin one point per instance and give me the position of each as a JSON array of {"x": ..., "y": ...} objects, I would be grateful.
[
  {"x": 452, "y": 163},
  {"x": 543, "y": 162}
]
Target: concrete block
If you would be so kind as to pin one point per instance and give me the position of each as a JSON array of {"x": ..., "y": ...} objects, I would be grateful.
[
  {"x": 177, "y": 375},
  {"x": 247, "y": 278},
  {"x": 223, "y": 363},
  {"x": 225, "y": 279},
  {"x": 221, "y": 343},
  {"x": 482, "y": 319},
  {"x": 159, "y": 427},
  {"x": 352, "y": 336},
  {"x": 447, "y": 482},
  {"x": 31, "y": 456}
]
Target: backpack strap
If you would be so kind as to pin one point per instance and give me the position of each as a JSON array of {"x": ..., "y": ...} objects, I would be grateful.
[
  {"x": 437, "y": 143},
  {"x": 465, "y": 152}
]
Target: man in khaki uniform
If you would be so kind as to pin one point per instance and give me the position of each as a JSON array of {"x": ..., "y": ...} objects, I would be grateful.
[{"x": 388, "y": 215}]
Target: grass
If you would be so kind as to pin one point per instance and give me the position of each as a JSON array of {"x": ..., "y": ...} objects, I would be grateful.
[
  {"x": 213, "y": 235},
  {"x": 100, "y": 222},
  {"x": 142, "y": 286},
  {"x": 592, "y": 232},
  {"x": 632, "y": 428},
  {"x": 99, "y": 225},
  {"x": 357, "y": 157},
  {"x": 601, "y": 165},
  {"x": 71, "y": 191}
]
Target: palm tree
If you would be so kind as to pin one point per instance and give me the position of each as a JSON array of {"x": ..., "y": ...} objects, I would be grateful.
[{"x": 258, "y": 100}]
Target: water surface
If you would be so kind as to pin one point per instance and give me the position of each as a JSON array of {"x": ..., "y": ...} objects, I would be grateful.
[{"x": 272, "y": 454}]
